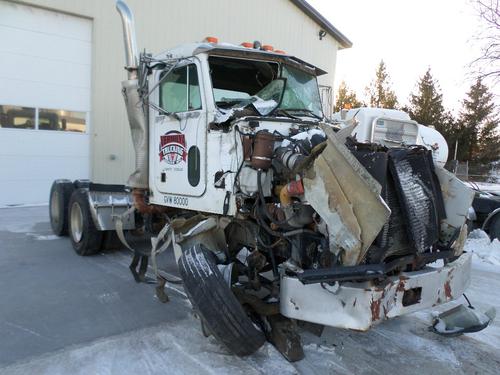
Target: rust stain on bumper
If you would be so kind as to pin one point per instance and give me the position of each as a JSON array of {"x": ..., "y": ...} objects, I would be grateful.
[
  {"x": 375, "y": 308},
  {"x": 447, "y": 290}
]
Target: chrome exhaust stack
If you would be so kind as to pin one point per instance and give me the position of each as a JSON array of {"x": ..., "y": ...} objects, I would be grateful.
[
  {"x": 129, "y": 39},
  {"x": 137, "y": 108}
]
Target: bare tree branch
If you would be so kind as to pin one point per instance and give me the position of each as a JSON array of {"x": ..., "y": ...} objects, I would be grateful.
[{"x": 488, "y": 64}]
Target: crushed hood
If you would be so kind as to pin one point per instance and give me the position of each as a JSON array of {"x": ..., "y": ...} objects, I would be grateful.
[{"x": 347, "y": 198}]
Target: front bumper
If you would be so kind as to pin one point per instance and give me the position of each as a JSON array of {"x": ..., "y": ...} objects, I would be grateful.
[{"x": 358, "y": 306}]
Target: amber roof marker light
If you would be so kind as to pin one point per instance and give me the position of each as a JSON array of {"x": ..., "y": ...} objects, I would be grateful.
[{"x": 212, "y": 39}]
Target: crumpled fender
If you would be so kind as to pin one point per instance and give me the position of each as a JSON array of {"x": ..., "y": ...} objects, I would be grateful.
[{"x": 347, "y": 198}]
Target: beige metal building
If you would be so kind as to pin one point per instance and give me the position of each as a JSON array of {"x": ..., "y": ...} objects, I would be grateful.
[{"x": 71, "y": 56}]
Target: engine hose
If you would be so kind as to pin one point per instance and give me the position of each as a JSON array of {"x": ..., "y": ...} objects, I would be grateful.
[
  {"x": 270, "y": 251},
  {"x": 266, "y": 227},
  {"x": 308, "y": 161},
  {"x": 301, "y": 231},
  {"x": 262, "y": 223},
  {"x": 273, "y": 263},
  {"x": 261, "y": 243}
]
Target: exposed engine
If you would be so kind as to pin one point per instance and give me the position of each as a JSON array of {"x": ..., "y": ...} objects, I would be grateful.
[{"x": 290, "y": 232}]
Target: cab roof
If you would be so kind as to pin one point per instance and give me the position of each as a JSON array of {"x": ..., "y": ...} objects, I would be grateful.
[{"x": 232, "y": 50}]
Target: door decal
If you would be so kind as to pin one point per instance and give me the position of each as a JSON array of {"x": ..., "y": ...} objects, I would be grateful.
[{"x": 173, "y": 147}]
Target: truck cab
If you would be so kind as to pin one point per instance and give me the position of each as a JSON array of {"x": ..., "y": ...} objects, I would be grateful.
[{"x": 204, "y": 87}]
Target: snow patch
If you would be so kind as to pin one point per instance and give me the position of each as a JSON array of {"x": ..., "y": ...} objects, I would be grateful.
[
  {"x": 303, "y": 136},
  {"x": 23, "y": 219},
  {"x": 485, "y": 186},
  {"x": 483, "y": 249},
  {"x": 441, "y": 327},
  {"x": 222, "y": 115},
  {"x": 320, "y": 348},
  {"x": 173, "y": 349},
  {"x": 24, "y": 205},
  {"x": 41, "y": 237}
]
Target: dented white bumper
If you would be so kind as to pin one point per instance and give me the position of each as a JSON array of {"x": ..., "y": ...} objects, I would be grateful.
[{"x": 358, "y": 306}]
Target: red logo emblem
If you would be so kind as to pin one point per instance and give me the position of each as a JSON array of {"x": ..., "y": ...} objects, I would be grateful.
[{"x": 173, "y": 147}]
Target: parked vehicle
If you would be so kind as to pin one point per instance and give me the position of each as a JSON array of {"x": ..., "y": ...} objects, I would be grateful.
[
  {"x": 486, "y": 210},
  {"x": 274, "y": 215}
]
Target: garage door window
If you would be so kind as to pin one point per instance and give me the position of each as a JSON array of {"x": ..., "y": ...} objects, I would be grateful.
[
  {"x": 16, "y": 117},
  {"x": 56, "y": 119}
]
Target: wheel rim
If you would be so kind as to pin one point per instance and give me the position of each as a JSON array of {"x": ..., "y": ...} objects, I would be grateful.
[
  {"x": 54, "y": 206},
  {"x": 76, "y": 222}
]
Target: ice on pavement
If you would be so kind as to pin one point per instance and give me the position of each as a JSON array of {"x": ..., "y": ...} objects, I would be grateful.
[
  {"x": 42, "y": 237},
  {"x": 168, "y": 349},
  {"x": 24, "y": 220}
]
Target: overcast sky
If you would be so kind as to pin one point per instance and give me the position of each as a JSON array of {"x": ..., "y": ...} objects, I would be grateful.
[{"x": 410, "y": 36}]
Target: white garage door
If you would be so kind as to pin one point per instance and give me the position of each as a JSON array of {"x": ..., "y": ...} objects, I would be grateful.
[{"x": 45, "y": 75}]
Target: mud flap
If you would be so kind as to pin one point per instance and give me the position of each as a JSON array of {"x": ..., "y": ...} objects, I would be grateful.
[
  {"x": 139, "y": 265},
  {"x": 140, "y": 273},
  {"x": 285, "y": 338},
  {"x": 461, "y": 319}
]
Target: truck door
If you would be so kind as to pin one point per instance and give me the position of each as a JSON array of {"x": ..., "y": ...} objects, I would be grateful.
[{"x": 180, "y": 136}]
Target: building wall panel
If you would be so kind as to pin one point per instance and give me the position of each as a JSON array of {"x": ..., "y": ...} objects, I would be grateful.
[{"x": 164, "y": 24}]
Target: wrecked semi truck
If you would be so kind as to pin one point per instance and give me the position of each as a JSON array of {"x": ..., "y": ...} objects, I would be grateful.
[{"x": 274, "y": 215}]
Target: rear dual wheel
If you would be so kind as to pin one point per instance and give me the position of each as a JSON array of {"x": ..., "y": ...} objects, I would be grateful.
[
  {"x": 85, "y": 238},
  {"x": 60, "y": 194},
  {"x": 69, "y": 213}
]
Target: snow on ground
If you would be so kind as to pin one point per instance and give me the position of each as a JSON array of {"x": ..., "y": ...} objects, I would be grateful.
[
  {"x": 24, "y": 205},
  {"x": 42, "y": 237},
  {"x": 26, "y": 218},
  {"x": 485, "y": 287},
  {"x": 167, "y": 349},
  {"x": 485, "y": 186},
  {"x": 483, "y": 249},
  {"x": 402, "y": 345}
]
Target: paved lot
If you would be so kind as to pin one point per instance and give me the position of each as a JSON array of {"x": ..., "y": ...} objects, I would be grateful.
[
  {"x": 65, "y": 314},
  {"x": 53, "y": 298}
]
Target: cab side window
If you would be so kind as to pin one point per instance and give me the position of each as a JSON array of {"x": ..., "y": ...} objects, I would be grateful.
[{"x": 180, "y": 90}]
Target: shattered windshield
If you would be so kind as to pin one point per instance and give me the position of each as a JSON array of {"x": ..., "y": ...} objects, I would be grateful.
[
  {"x": 267, "y": 99},
  {"x": 301, "y": 92},
  {"x": 266, "y": 86}
]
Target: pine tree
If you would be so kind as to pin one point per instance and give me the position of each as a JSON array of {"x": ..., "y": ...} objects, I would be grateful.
[
  {"x": 489, "y": 142},
  {"x": 346, "y": 98},
  {"x": 426, "y": 105},
  {"x": 450, "y": 129},
  {"x": 478, "y": 124},
  {"x": 379, "y": 92}
]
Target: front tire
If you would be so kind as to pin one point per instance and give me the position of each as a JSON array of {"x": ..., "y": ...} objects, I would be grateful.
[
  {"x": 85, "y": 237},
  {"x": 60, "y": 194},
  {"x": 216, "y": 304}
]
